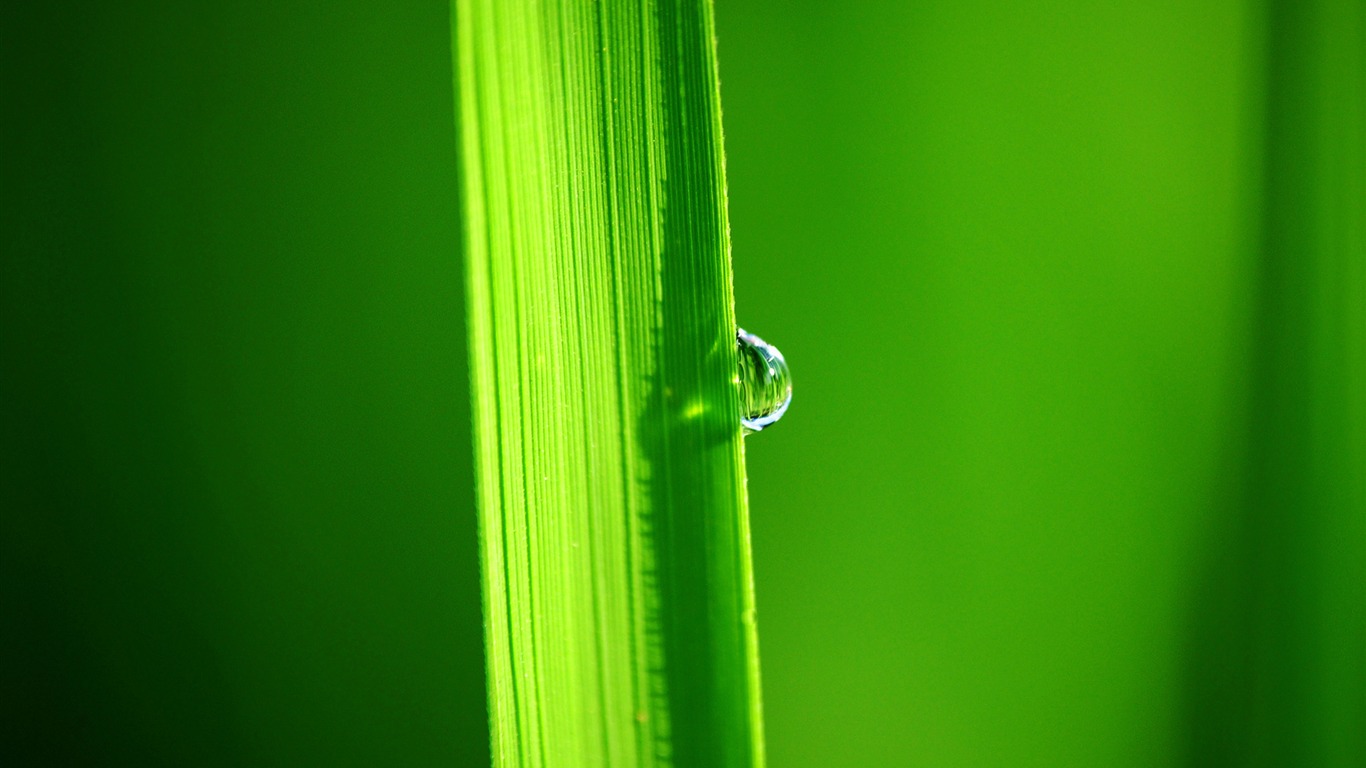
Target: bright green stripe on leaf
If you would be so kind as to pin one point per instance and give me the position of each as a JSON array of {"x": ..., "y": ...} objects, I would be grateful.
[{"x": 618, "y": 595}]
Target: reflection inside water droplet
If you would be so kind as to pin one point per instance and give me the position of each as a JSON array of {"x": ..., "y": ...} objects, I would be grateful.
[{"x": 765, "y": 384}]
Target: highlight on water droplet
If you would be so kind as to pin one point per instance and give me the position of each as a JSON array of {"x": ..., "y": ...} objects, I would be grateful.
[{"x": 765, "y": 383}]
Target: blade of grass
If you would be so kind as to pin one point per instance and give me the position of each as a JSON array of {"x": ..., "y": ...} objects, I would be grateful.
[
  {"x": 1306, "y": 691},
  {"x": 1280, "y": 662},
  {"x": 615, "y": 541}
]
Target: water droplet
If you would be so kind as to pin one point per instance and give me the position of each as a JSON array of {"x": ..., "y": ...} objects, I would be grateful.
[{"x": 765, "y": 384}]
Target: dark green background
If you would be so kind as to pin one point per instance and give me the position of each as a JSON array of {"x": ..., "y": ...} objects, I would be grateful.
[
  {"x": 1061, "y": 483},
  {"x": 241, "y": 489}
]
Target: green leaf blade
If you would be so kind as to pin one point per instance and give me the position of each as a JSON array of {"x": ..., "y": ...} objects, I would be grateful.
[{"x": 618, "y": 589}]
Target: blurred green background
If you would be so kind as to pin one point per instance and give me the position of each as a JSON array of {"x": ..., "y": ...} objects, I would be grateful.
[
  {"x": 1072, "y": 293},
  {"x": 240, "y": 489},
  {"x": 1073, "y": 297}
]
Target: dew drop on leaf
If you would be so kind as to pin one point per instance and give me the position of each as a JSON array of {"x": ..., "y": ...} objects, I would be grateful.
[{"x": 765, "y": 384}]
